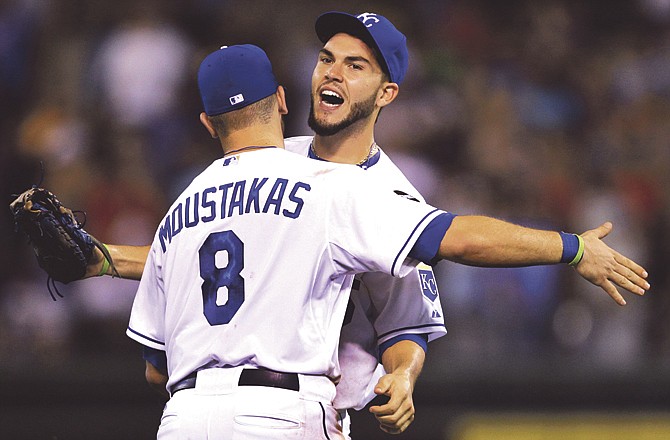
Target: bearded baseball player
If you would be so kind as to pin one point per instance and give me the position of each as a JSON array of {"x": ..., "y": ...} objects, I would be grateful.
[
  {"x": 342, "y": 101},
  {"x": 389, "y": 319},
  {"x": 251, "y": 343}
]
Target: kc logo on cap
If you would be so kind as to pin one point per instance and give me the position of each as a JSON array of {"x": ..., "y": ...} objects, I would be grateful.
[{"x": 365, "y": 16}]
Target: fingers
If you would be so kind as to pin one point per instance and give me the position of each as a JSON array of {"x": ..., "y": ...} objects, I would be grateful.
[
  {"x": 612, "y": 291},
  {"x": 394, "y": 416},
  {"x": 608, "y": 269},
  {"x": 603, "y": 230},
  {"x": 630, "y": 275},
  {"x": 399, "y": 428},
  {"x": 393, "y": 421},
  {"x": 625, "y": 278},
  {"x": 631, "y": 281},
  {"x": 633, "y": 267}
]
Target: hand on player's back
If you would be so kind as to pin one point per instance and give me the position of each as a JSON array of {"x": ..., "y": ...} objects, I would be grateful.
[{"x": 605, "y": 267}]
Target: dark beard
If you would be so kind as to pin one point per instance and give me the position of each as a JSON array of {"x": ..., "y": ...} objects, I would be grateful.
[{"x": 360, "y": 110}]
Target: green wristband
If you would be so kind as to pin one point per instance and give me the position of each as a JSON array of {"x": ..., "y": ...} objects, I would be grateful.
[
  {"x": 580, "y": 252},
  {"x": 105, "y": 264}
]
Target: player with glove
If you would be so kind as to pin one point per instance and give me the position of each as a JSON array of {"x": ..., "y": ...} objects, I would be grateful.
[
  {"x": 64, "y": 250},
  {"x": 130, "y": 259}
]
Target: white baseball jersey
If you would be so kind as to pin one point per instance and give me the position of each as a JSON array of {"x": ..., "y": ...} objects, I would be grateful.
[
  {"x": 381, "y": 306},
  {"x": 252, "y": 263}
]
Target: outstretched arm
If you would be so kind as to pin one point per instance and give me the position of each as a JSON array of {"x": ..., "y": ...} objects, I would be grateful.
[
  {"x": 404, "y": 362},
  {"x": 485, "y": 241},
  {"x": 128, "y": 260}
]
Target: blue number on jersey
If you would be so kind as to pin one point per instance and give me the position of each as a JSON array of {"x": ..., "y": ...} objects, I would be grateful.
[{"x": 215, "y": 278}]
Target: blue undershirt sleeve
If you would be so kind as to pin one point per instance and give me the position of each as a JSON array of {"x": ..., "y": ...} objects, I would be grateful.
[
  {"x": 426, "y": 246},
  {"x": 420, "y": 339},
  {"x": 157, "y": 358}
]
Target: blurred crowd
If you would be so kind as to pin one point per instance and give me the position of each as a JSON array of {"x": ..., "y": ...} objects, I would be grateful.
[{"x": 552, "y": 114}]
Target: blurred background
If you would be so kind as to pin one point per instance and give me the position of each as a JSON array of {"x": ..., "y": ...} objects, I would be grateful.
[{"x": 553, "y": 114}]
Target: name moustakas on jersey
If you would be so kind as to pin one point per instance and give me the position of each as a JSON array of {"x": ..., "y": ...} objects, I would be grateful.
[{"x": 276, "y": 196}]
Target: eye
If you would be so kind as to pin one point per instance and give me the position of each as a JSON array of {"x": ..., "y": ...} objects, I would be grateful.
[
  {"x": 356, "y": 66},
  {"x": 325, "y": 60}
]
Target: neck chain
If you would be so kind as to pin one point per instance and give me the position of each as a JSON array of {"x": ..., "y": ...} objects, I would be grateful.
[
  {"x": 373, "y": 150},
  {"x": 252, "y": 147}
]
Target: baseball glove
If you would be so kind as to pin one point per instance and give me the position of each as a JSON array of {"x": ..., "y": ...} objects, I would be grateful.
[{"x": 62, "y": 247}]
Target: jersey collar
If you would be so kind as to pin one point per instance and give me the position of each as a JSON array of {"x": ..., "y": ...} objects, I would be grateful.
[{"x": 367, "y": 163}]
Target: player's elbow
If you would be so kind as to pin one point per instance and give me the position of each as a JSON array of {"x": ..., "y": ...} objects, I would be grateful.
[{"x": 464, "y": 249}]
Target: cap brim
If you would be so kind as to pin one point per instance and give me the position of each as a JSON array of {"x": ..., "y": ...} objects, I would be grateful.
[{"x": 332, "y": 23}]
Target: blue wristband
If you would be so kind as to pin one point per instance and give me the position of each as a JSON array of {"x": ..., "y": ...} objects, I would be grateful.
[{"x": 571, "y": 247}]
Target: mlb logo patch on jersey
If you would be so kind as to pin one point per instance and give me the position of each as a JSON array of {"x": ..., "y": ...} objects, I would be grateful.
[
  {"x": 232, "y": 160},
  {"x": 428, "y": 284}
]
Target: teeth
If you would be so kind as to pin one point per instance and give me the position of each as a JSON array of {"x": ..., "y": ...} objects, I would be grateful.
[{"x": 331, "y": 93}]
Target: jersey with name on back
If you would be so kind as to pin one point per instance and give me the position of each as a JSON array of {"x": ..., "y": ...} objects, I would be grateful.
[{"x": 270, "y": 233}]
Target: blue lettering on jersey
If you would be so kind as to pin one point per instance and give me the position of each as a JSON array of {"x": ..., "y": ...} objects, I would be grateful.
[
  {"x": 297, "y": 200},
  {"x": 208, "y": 204},
  {"x": 246, "y": 197},
  {"x": 428, "y": 284},
  {"x": 237, "y": 199},
  {"x": 177, "y": 220},
  {"x": 254, "y": 194},
  {"x": 276, "y": 196},
  {"x": 224, "y": 198},
  {"x": 196, "y": 216},
  {"x": 165, "y": 232}
]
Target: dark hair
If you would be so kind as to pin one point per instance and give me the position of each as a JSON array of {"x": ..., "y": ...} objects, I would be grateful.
[{"x": 259, "y": 112}]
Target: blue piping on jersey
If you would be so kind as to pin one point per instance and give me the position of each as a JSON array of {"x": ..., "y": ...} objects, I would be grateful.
[
  {"x": 145, "y": 337},
  {"x": 395, "y": 260}
]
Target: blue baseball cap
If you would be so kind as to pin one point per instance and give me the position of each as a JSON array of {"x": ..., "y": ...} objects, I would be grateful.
[
  {"x": 233, "y": 77},
  {"x": 375, "y": 31}
]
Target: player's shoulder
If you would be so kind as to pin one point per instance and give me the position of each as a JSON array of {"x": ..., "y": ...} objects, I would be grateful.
[
  {"x": 388, "y": 173},
  {"x": 298, "y": 144}
]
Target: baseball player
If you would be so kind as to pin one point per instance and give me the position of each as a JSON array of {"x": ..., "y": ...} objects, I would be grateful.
[
  {"x": 251, "y": 343},
  {"x": 196, "y": 325},
  {"x": 374, "y": 329},
  {"x": 359, "y": 345}
]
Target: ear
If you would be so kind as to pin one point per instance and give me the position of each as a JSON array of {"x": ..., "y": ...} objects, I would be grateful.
[
  {"x": 204, "y": 119},
  {"x": 281, "y": 100},
  {"x": 387, "y": 94}
]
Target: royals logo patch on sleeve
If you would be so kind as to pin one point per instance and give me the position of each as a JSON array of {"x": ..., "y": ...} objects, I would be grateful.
[{"x": 428, "y": 283}]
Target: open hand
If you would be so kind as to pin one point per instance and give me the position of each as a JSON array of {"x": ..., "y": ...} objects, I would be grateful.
[{"x": 606, "y": 268}]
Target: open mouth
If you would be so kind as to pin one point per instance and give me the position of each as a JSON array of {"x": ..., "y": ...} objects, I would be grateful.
[{"x": 331, "y": 98}]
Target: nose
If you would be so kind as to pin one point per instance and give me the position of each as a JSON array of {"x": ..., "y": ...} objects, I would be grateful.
[{"x": 334, "y": 72}]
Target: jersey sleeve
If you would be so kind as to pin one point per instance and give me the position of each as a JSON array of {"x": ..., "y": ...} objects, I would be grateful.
[
  {"x": 416, "y": 295},
  {"x": 371, "y": 229},
  {"x": 147, "y": 316}
]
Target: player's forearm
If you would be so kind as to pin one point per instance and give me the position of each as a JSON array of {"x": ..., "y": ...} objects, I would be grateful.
[
  {"x": 485, "y": 241},
  {"x": 404, "y": 358},
  {"x": 128, "y": 260},
  {"x": 156, "y": 379}
]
